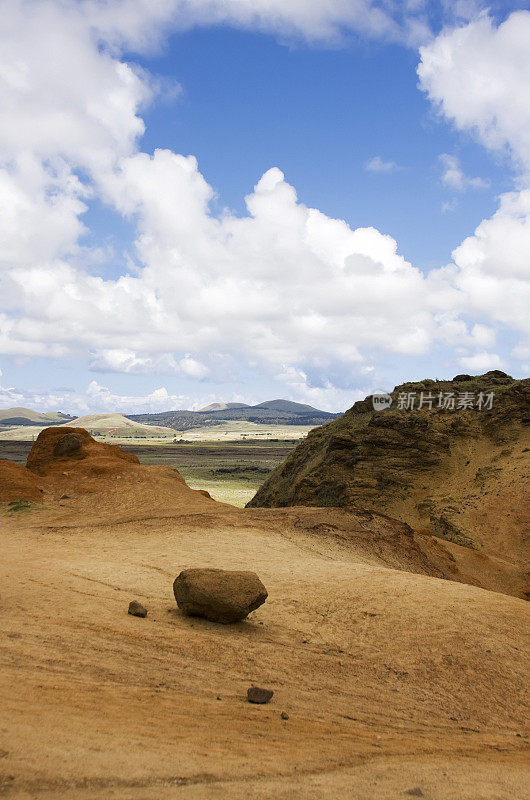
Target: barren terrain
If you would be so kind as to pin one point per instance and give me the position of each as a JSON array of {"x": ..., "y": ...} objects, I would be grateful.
[{"x": 395, "y": 679}]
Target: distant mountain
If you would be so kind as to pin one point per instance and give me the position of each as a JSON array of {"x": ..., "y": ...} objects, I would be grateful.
[
  {"x": 222, "y": 406},
  {"x": 10, "y": 417},
  {"x": 272, "y": 412},
  {"x": 289, "y": 406}
]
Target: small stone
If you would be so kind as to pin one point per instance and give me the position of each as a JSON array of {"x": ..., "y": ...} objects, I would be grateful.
[
  {"x": 137, "y": 609},
  {"x": 284, "y": 715},
  {"x": 416, "y": 792},
  {"x": 257, "y": 695},
  {"x": 65, "y": 497}
]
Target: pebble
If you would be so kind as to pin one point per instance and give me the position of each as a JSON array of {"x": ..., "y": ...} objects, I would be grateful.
[{"x": 137, "y": 609}]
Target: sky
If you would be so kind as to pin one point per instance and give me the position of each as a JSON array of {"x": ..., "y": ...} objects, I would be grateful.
[{"x": 242, "y": 200}]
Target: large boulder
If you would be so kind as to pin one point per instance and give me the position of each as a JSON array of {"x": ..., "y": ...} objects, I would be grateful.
[{"x": 217, "y": 594}]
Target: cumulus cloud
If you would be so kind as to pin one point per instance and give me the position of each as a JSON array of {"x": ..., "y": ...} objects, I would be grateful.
[
  {"x": 95, "y": 399},
  {"x": 326, "y": 397},
  {"x": 128, "y": 362},
  {"x": 478, "y": 76},
  {"x": 101, "y": 398},
  {"x": 282, "y": 284},
  {"x": 454, "y": 178},
  {"x": 482, "y": 362},
  {"x": 377, "y": 164}
]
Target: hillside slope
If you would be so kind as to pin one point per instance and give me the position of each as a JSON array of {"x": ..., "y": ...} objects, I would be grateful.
[
  {"x": 26, "y": 416},
  {"x": 459, "y": 474},
  {"x": 118, "y": 425}
]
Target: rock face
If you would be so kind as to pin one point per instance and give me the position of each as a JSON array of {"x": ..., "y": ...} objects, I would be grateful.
[
  {"x": 217, "y": 594},
  {"x": 458, "y": 473}
]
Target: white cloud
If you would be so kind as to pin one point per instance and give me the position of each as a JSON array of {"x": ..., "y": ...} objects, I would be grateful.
[
  {"x": 326, "y": 397},
  {"x": 448, "y": 206},
  {"x": 377, "y": 164},
  {"x": 482, "y": 362},
  {"x": 101, "y": 398},
  {"x": 454, "y": 178},
  {"x": 95, "y": 399},
  {"x": 140, "y": 23},
  {"x": 127, "y": 361},
  {"x": 478, "y": 77},
  {"x": 282, "y": 284}
]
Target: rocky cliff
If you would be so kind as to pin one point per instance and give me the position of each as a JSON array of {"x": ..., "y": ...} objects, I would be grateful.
[{"x": 456, "y": 467}]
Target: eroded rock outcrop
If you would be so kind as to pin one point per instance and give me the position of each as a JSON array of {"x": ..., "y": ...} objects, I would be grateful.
[
  {"x": 68, "y": 463},
  {"x": 458, "y": 473},
  {"x": 56, "y": 448}
]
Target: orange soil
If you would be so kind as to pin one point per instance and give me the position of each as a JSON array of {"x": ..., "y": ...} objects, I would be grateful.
[{"x": 393, "y": 678}]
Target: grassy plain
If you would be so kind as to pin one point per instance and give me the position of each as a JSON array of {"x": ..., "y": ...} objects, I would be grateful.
[
  {"x": 230, "y": 471},
  {"x": 238, "y": 430}
]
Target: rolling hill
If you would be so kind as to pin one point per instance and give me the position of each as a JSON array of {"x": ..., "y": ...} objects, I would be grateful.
[
  {"x": 100, "y": 425},
  {"x": 289, "y": 406},
  {"x": 271, "y": 412},
  {"x": 25, "y": 416},
  {"x": 117, "y": 425}
]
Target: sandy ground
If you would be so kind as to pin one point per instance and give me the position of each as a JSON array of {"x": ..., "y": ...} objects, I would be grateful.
[{"x": 394, "y": 682}]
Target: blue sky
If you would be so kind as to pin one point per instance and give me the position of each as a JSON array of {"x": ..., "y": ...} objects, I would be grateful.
[
  {"x": 249, "y": 103},
  {"x": 228, "y": 301}
]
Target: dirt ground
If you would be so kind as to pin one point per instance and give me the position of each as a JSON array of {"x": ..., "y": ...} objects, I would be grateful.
[
  {"x": 396, "y": 681},
  {"x": 392, "y": 681}
]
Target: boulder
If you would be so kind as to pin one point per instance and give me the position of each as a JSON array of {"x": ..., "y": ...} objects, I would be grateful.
[
  {"x": 217, "y": 594},
  {"x": 260, "y": 696}
]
